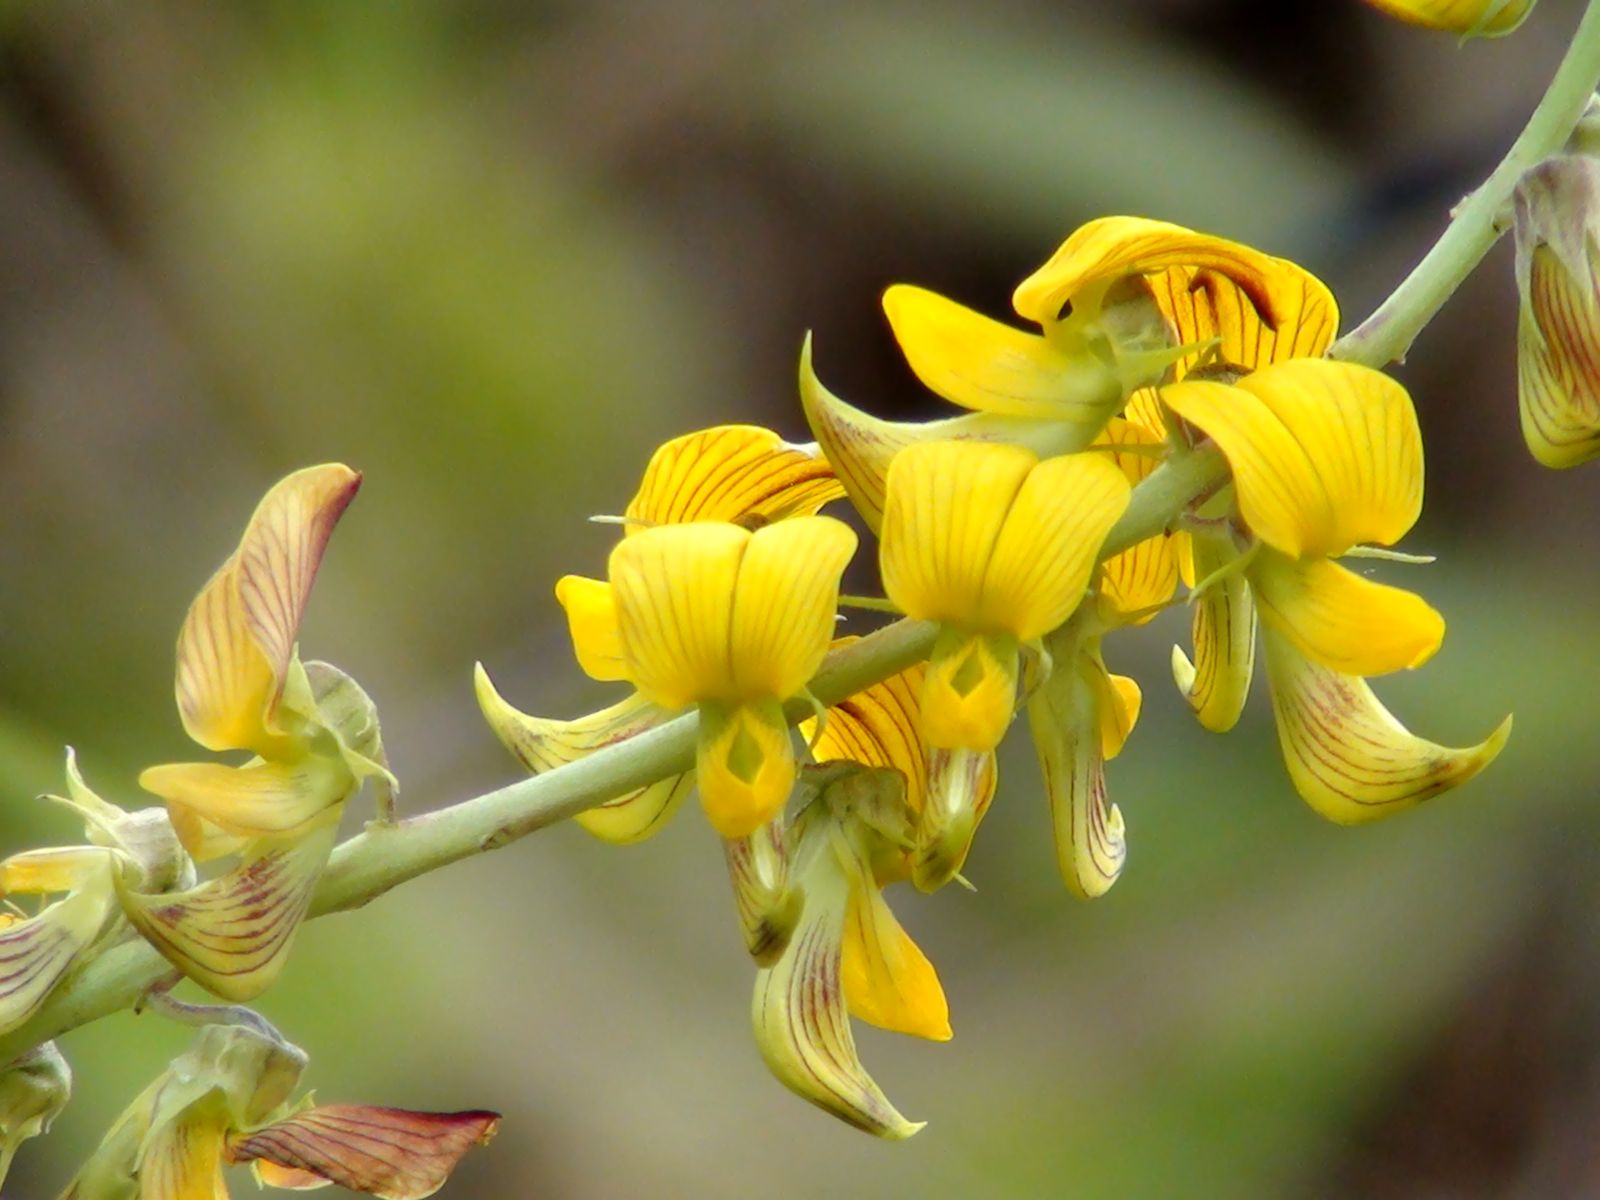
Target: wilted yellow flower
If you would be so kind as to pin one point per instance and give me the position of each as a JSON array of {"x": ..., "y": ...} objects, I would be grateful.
[
  {"x": 1471, "y": 18},
  {"x": 1557, "y": 206},
  {"x": 228, "y": 1100},
  {"x": 1327, "y": 457},
  {"x": 997, "y": 548},
  {"x": 241, "y": 686},
  {"x": 740, "y": 474}
]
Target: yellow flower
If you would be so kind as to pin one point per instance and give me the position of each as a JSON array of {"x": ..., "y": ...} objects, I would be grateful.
[
  {"x": 1327, "y": 456},
  {"x": 1471, "y": 18},
  {"x": 241, "y": 686},
  {"x": 740, "y": 474},
  {"x": 997, "y": 548},
  {"x": 228, "y": 1100},
  {"x": 867, "y": 801},
  {"x": 1557, "y": 206}
]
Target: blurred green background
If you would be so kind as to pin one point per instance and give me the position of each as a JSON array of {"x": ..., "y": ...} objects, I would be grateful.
[{"x": 492, "y": 253}]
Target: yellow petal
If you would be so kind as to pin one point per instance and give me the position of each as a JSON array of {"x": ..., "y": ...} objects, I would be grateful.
[
  {"x": 738, "y": 473},
  {"x": 879, "y": 727},
  {"x": 970, "y": 691},
  {"x": 984, "y": 365},
  {"x": 1325, "y": 455},
  {"x": 961, "y": 785},
  {"x": 37, "y": 952},
  {"x": 1349, "y": 758},
  {"x": 860, "y": 446},
  {"x": 988, "y": 538},
  {"x": 592, "y": 621},
  {"x": 1480, "y": 18},
  {"x": 183, "y": 1160},
  {"x": 888, "y": 981},
  {"x": 785, "y": 604},
  {"x": 59, "y": 869},
  {"x": 1069, "y": 734},
  {"x": 1558, "y": 363},
  {"x": 540, "y": 744},
  {"x": 1113, "y": 247},
  {"x": 236, "y": 643},
  {"x": 1335, "y": 617},
  {"x": 768, "y": 907},
  {"x": 262, "y": 800},
  {"x": 386, "y": 1152},
  {"x": 801, "y": 1022},
  {"x": 1223, "y": 628},
  {"x": 1120, "y": 703},
  {"x": 744, "y": 765},
  {"x": 232, "y": 934}
]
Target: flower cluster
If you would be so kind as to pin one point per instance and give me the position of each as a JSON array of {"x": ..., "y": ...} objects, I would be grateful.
[{"x": 1001, "y": 531}]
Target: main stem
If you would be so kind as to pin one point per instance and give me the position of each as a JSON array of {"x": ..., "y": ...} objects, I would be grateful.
[{"x": 1386, "y": 335}]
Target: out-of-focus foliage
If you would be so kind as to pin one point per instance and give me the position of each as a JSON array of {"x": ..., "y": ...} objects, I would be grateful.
[{"x": 492, "y": 254}]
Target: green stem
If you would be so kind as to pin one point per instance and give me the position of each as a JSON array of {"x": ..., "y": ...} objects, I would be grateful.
[
  {"x": 1386, "y": 335},
  {"x": 385, "y": 855}
]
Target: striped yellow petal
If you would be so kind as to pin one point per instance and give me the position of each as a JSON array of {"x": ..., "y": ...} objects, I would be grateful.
[
  {"x": 238, "y": 638},
  {"x": 744, "y": 765},
  {"x": 888, "y": 981},
  {"x": 1145, "y": 575},
  {"x": 986, "y": 537},
  {"x": 970, "y": 691},
  {"x": 387, "y": 1152},
  {"x": 879, "y": 727},
  {"x": 802, "y": 1024},
  {"x": 232, "y": 934},
  {"x": 768, "y": 907},
  {"x": 1223, "y": 630},
  {"x": 1349, "y": 758},
  {"x": 37, "y": 952},
  {"x": 961, "y": 785},
  {"x": 266, "y": 799},
  {"x": 981, "y": 364},
  {"x": 182, "y": 1160},
  {"x": 1325, "y": 455},
  {"x": 1474, "y": 18},
  {"x": 860, "y": 446},
  {"x": 1111, "y": 248},
  {"x": 541, "y": 744},
  {"x": 592, "y": 621},
  {"x": 1068, "y": 717},
  {"x": 1339, "y": 619},
  {"x": 738, "y": 473}
]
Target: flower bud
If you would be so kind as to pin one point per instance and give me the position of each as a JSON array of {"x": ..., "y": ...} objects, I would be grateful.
[{"x": 1469, "y": 18}]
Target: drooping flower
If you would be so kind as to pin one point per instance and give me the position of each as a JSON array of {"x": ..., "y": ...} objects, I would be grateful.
[
  {"x": 1326, "y": 458},
  {"x": 229, "y": 1100},
  {"x": 856, "y": 833},
  {"x": 39, "y": 951},
  {"x": 739, "y": 474},
  {"x": 313, "y": 733},
  {"x": 1470, "y": 18},
  {"x": 1557, "y": 207}
]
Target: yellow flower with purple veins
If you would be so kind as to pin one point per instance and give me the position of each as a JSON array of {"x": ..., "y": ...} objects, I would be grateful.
[
  {"x": 313, "y": 733},
  {"x": 740, "y": 474},
  {"x": 1470, "y": 18},
  {"x": 1327, "y": 458},
  {"x": 229, "y": 1100}
]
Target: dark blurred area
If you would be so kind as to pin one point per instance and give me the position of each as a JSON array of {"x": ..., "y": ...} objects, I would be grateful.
[{"x": 492, "y": 254}]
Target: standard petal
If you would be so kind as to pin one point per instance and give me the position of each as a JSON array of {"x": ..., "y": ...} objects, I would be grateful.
[
  {"x": 768, "y": 907},
  {"x": 785, "y": 603},
  {"x": 888, "y": 981},
  {"x": 802, "y": 1025},
  {"x": 1345, "y": 622},
  {"x": 232, "y": 934},
  {"x": 1223, "y": 629},
  {"x": 1107, "y": 249},
  {"x": 592, "y": 621},
  {"x": 969, "y": 693},
  {"x": 236, "y": 643},
  {"x": 261, "y": 800},
  {"x": 674, "y": 588},
  {"x": 540, "y": 744},
  {"x": 387, "y": 1152},
  {"x": 1477, "y": 18},
  {"x": 36, "y": 952},
  {"x": 1558, "y": 362},
  {"x": 744, "y": 765},
  {"x": 981, "y": 364},
  {"x": 738, "y": 473},
  {"x": 1066, "y": 717},
  {"x": 879, "y": 727},
  {"x": 1048, "y": 546},
  {"x": 1202, "y": 304},
  {"x": 1349, "y": 758}
]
